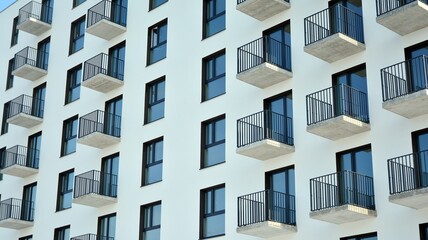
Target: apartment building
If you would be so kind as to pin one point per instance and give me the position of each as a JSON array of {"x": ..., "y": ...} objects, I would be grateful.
[{"x": 220, "y": 119}]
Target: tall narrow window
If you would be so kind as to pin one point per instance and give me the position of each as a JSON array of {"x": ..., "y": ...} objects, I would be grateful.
[
  {"x": 2, "y": 161},
  {"x": 368, "y": 236},
  {"x": 155, "y": 100},
  {"x": 9, "y": 78},
  {"x": 33, "y": 149},
  {"x": 28, "y": 202},
  {"x": 152, "y": 161},
  {"x": 116, "y": 64},
  {"x": 77, "y": 2},
  {"x": 109, "y": 173},
  {"x": 65, "y": 190},
  {"x": 214, "y": 75},
  {"x": 4, "y": 123},
  {"x": 107, "y": 226},
  {"x": 112, "y": 117},
  {"x": 15, "y": 32},
  {"x": 214, "y": 17},
  {"x": 77, "y": 35},
  {"x": 279, "y": 117},
  {"x": 38, "y": 101},
  {"x": 62, "y": 233},
  {"x": 423, "y": 230},
  {"x": 156, "y": 3},
  {"x": 420, "y": 159},
  {"x": 69, "y": 136},
  {"x": 74, "y": 78},
  {"x": 212, "y": 220},
  {"x": 150, "y": 221},
  {"x": 213, "y": 141},
  {"x": 43, "y": 49},
  {"x": 157, "y": 42}
]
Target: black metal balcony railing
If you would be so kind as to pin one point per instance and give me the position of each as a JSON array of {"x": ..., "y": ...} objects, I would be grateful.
[
  {"x": 408, "y": 172},
  {"x": 335, "y": 19},
  {"x": 404, "y": 78},
  {"x": 266, "y": 205},
  {"x": 22, "y": 156},
  {"x": 342, "y": 188},
  {"x": 336, "y": 101},
  {"x": 104, "y": 64},
  {"x": 384, "y": 6},
  {"x": 27, "y": 105},
  {"x": 37, "y": 11},
  {"x": 31, "y": 56},
  {"x": 264, "y": 50},
  {"x": 16, "y": 209},
  {"x": 109, "y": 11},
  {"x": 98, "y": 121},
  {"x": 95, "y": 182},
  {"x": 91, "y": 237},
  {"x": 242, "y": 1},
  {"x": 264, "y": 125}
]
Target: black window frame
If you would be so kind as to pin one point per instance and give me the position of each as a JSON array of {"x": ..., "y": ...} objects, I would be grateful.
[
  {"x": 73, "y": 82},
  {"x": 143, "y": 227},
  {"x": 15, "y": 32},
  {"x": 66, "y": 137},
  {"x": 4, "y": 123},
  {"x": 150, "y": 41},
  {"x": 2, "y": 158},
  {"x": 146, "y": 165},
  {"x": 77, "y": 2},
  {"x": 204, "y": 215},
  {"x": 76, "y": 35},
  {"x": 29, "y": 237},
  {"x": 148, "y": 103},
  {"x": 205, "y": 145},
  {"x": 360, "y": 236},
  {"x": 64, "y": 176},
  {"x": 10, "y": 76},
  {"x": 100, "y": 220},
  {"x": 205, "y": 81},
  {"x": 423, "y": 229},
  {"x": 153, "y": 5},
  {"x": 60, "y": 230},
  {"x": 207, "y": 19}
]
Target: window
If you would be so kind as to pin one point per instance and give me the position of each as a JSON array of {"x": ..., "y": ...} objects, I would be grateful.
[
  {"x": 277, "y": 44},
  {"x": 38, "y": 102},
  {"x": 368, "y": 236},
  {"x": 4, "y": 124},
  {"x": 2, "y": 159},
  {"x": 214, "y": 75},
  {"x": 157, "y": 42},
  {"x": 107, "y": 226},
  {"x": 156, "y": 3},
  {"x": 62, "y": 233},
  {"x": 109, "y": 171},
  {"x": 213, "y": 141},
  {"x": 152, "y": 161},
  {"x": 150, "y": 221},
  {"x": 420, "y": 158},
  {"x": 77, "y": 2},
  {"x": 416, "y": 67},
  {"x": 33, "y": 149},
  {"x": 77, "y": 35},
  {"x": 155, "y": 100},
  {"x": 74, "y": 78},
  {"x": 26, "y": 238},
  {"x": 69, "y": 136},
  {"x": 65, "y": 190},
  {"x": 28, "y": 202},
  {"x": 214, "y": 17},
  {"x": 9, "y": 78},
  {"x": 279, "y": 117},
  {"x": 423, "y": 230},
  {"x": 43, "y": 49},
  {"x": 15, "y": 32},
  {"x": 212, "y": 222},
  {"x": 112, "y": 117},
  {"x": 116, "y": 65}
]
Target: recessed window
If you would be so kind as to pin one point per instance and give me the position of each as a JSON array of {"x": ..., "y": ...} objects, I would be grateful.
[
  {"x": 77, "y": 2},
  {"x": 62, "y": 233},
  {"x": 65, "y": 190},
  {"x": 150, "y": 219},
  {"x": 368, "y": 236},
  {"x": 4, "y": 123},
  {"x": 107, "y": 226},
  {"x": 77, "y": 35},
  {"x": 212, "y": 221},
  {"x": 74, "y": 78},
  {"x": 423, "y": 229},
  {"x": 9, "y": 78},
  {"x": 2, "y": 161},
  {"x": 157, "y": 42},
  {"x": 152, "y": 161},
  {"x": 214, "y": 75},
  {"x": 156, "y": 3},
  {"x": 214, "y": 17},
  {"x": 69, "y": 136},
  {"x": 213, "y": 141},
  {"x": 155, "y": 100},
  {"x": 15, "y": 32}
]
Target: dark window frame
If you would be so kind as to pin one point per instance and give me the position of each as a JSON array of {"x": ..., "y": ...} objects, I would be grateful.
[
  {"x": 100, "y": 219},
  {"x": 203, "y": 215},
  {"x": 207, "y": 19},
  {"x": 154, "y": 6},
  {"x": 423, "y": 228},
  {"x": 143, "y": 209},
  {"x": 2, "y": 157},
  {"x": 205, "y": 80},
  {"x": 152, "y": 45},
  {"x": 146, "y": 165},
  {"x": 4, "y": 123},
  {"x": 353, "y": 150},
  {"x": 61, "y": 192},
  {"x": 149, "y": 104},
  {"x": 77, "y": 2},
  {"x": 66, "y": 137},
  {"x": 15, "y": 32},
  {"x": 71, "y": 83},
  {"x": 360, "y": 236},
  {"x": 76, "y": 35},
  {"x": 60, "y": 230},
  {"x": 204, "y": 145},
  {"x": 10, "y": 76},
  {"x": 29, "y": 237}
]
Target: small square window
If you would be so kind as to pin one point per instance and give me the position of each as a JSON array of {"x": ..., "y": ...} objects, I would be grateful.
[
  {"x": 77, "y": 35},
  {"x": 212, "y": 220},
  {"x": 74, "y": 78},
  {"x": 65, "y": 190},
  {"x": 155, "y": 100},
  {"x": 69, "y": 136},
  {"x": 213, "y": 141},
  {"x": 214, "y": 75},
  {"x": 150, "y": 219},
  {"x": 152, "y": 161},
  {"x": 214, "y": 17},
  {"x": 157, "y": 42},
  {"x": 156, "y": 3}
]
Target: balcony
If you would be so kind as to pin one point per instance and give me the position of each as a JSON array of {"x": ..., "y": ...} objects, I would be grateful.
[
  {"x": 403, "y": 16},
  {"x": 262, "y": 9},
  {"x": 266, "y": 214},
  {"x": 20, "y": 161},
  {"x": 337, "y": 112},
  {"x": 106, "y": 20},
  {"x": 91, "y": 237},
  {"x": 405, "y": 87},
  {"x": 95, "y": 189},
  {"x": 99, "y": 129},
  {"x": 26, "y": 111},
  {"x": 334, "y": 34},
  {"x": 342, "y": 197},
  {"x": 408, "y": 180},
  {"x": 103, "y": 73},
  {"x": 16, "y": 213},
  {"x": 28, "y": 65},
  {"x": 264, "y": 62},
  {"x": 35, "y": 18},
  {"x": 265, "y": 135}
]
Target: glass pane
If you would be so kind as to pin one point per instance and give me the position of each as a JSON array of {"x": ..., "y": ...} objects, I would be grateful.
[
  {"x": 216, "y": 25},
  {"x": 220, "y": 65},
  {"x": 214, "y": 155},
  {"x": 213, "y": 225},
  {"x": 148, "y": 217},
  {"x": 215, "y": 88},
  {"x": 220, "y": 130},
  {"x": 112, "y": 227},
  {"x": 70, "y": 146},
  {"x": 209, "y": 133},
  {"x": 159, "y": 151},
  {"x": 67, "y": 198},
  {"x": 152, "y": 235},
  {"x": 220, "y": 4},
  {"x": 163, "y": 33},
  {"x": 364, "y": 163},
  {"x": 278, "y": 182},
  {"x": 156, "y": 112},
  {"x": 209, "y": 69},
  {"x": 154, "y": 173},
  {"x": 219, "y": 199},
  {"x": 149, "y": 154},
  {"x": 156, "y": 215},
  {"x": 158, "y": 53},
  {"x": 208, "y": 203},
  {"x": 161, "y": 90}
]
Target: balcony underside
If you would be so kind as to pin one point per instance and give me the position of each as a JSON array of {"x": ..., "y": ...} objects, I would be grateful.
[
  {"x": 25, "y": 120},
  {"x": 409, "y": 106},
  {"x": 94, "y": 200},
  {"x": 34, "y": 26},
  {"x": 343, "y": 214},
  {"x": 19, "y": 171},
  {"x": 338, "y": 127},
  {"x": 98, "y": 140},
  {"x": 102, "y": 83},
  {"x": 29, "y": 72},
  {"x": 106, "y": 29},
  {"x": 335, "y": 47},
  {"x": 406, "y": 19},
  {"x": 262, "y": 9},
  {"x": 267, "y": 229},
  {"x": 265, "y": 149},
  {"x": 416, "y": 199},
  {"x": 15, "y": 223},
  {"x": 264, "y": 75}
]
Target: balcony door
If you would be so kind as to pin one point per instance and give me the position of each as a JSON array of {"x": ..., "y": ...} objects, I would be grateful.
[
  {"x": 345, "y": 18},
  {"x": 417, "y": 67},
  {"x": 420, "y": 148},
  {"x": 117, "y": 61},
  {"x": 109, "y": 173},
  {"x": 278, "y": 118},
  {"x": 46, "y": 11},
  {"x": 33, "y": 150},
  {"x": 112, "y": 117},
  {"x": 28, "y": 201},
  {"x": 43, "y": 48},
  {"x": 38, "y": 101},
  {"x": 107, "y": 227},
  {"x": 277, "y": 42},
  {"x": 118, "y": 11}
]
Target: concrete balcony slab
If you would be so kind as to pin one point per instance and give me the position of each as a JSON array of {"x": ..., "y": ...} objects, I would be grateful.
[
  {"x": 25, "y": 120},
  {"x": 94, "y": 200},
  {"x": 264, "y": 75},
  {"x": 29, "y": 72},
  {"x": 338, "y": 127},
  {"x": 102, "y": 83},
  {"x": 262, "y": 9},
  {"x": 409, "y": 106},
  {"x": 19, "y": 171},
  {"x": 267, "y": 229},
  {"x": 98, "y": 140},
  {"x": 15, "y": 223},
  {"x": 343, "y": 214},
  {"x": 416, "y": 199},
  {"x": 106, "y": 29},
  {"x": 265, "y": 149},
  {"x": 34, "y": 26}
]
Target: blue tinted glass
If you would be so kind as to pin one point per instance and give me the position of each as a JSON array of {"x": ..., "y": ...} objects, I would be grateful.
[
  {"x": 214, "y": 225},
  {"x": 215, "y": 88},
  {"x": 152, "y": 235},
  {"x": 156, "y": 215},
  {"x": 158, "y": 53},
  {"x": 216, "y": 25},
  {"x": 219, "y": 199},
  {"x": 154, "y": 174},
  {"x": 220, "y": 130},
  {"x": 215, "y": 155},
  {"x": 156, "y": 112}
]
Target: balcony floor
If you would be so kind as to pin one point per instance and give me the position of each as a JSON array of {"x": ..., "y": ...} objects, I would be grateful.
[
  {"x": 262, "y": 9},
  {"x": 335, "y": 47},
  {"x": 25, "y": 120},
  {"x": 409, "y": 106},
  {"x": 34, "y": 26},
  {"x": 416, "y": 199},
  {"x": 102, "y": 83},
  {"x": 267, "y": 229},
  {"x": 265, "y": 149},
  {"x": 406, "y": 19},
  {"x": 94, "y": 200},
  {"x": 19, "y": 171},
  {"x": 106, "y": 29},
  {"x": 264, "y": 75},
  {"x": 338, "y": 127},
  {"x": 343, "y": 214},
  {"x": 29, "y": 72},
  {"x": 15, "y": 223},
  {"x": 98, "y": 140}
]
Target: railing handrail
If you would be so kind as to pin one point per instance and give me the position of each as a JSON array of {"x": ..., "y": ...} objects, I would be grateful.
[
  {"x": 18, "y": 155},
  {"x": 385, "y": 6},
  {"x": 34, "y": 9},
  {"x": 29, "y": 55},
  {"x": 103, "y": 10},
  {"x": 13, "y": 207},
  {"x": 24, "y": 104},
  {"x": 102, "y": 63},
  {"x": 91, "y": 236},
  {"x": 95, "y": 122},
  {"x": 97, "y": 182},
  {"x": 242, "y": 1}
]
